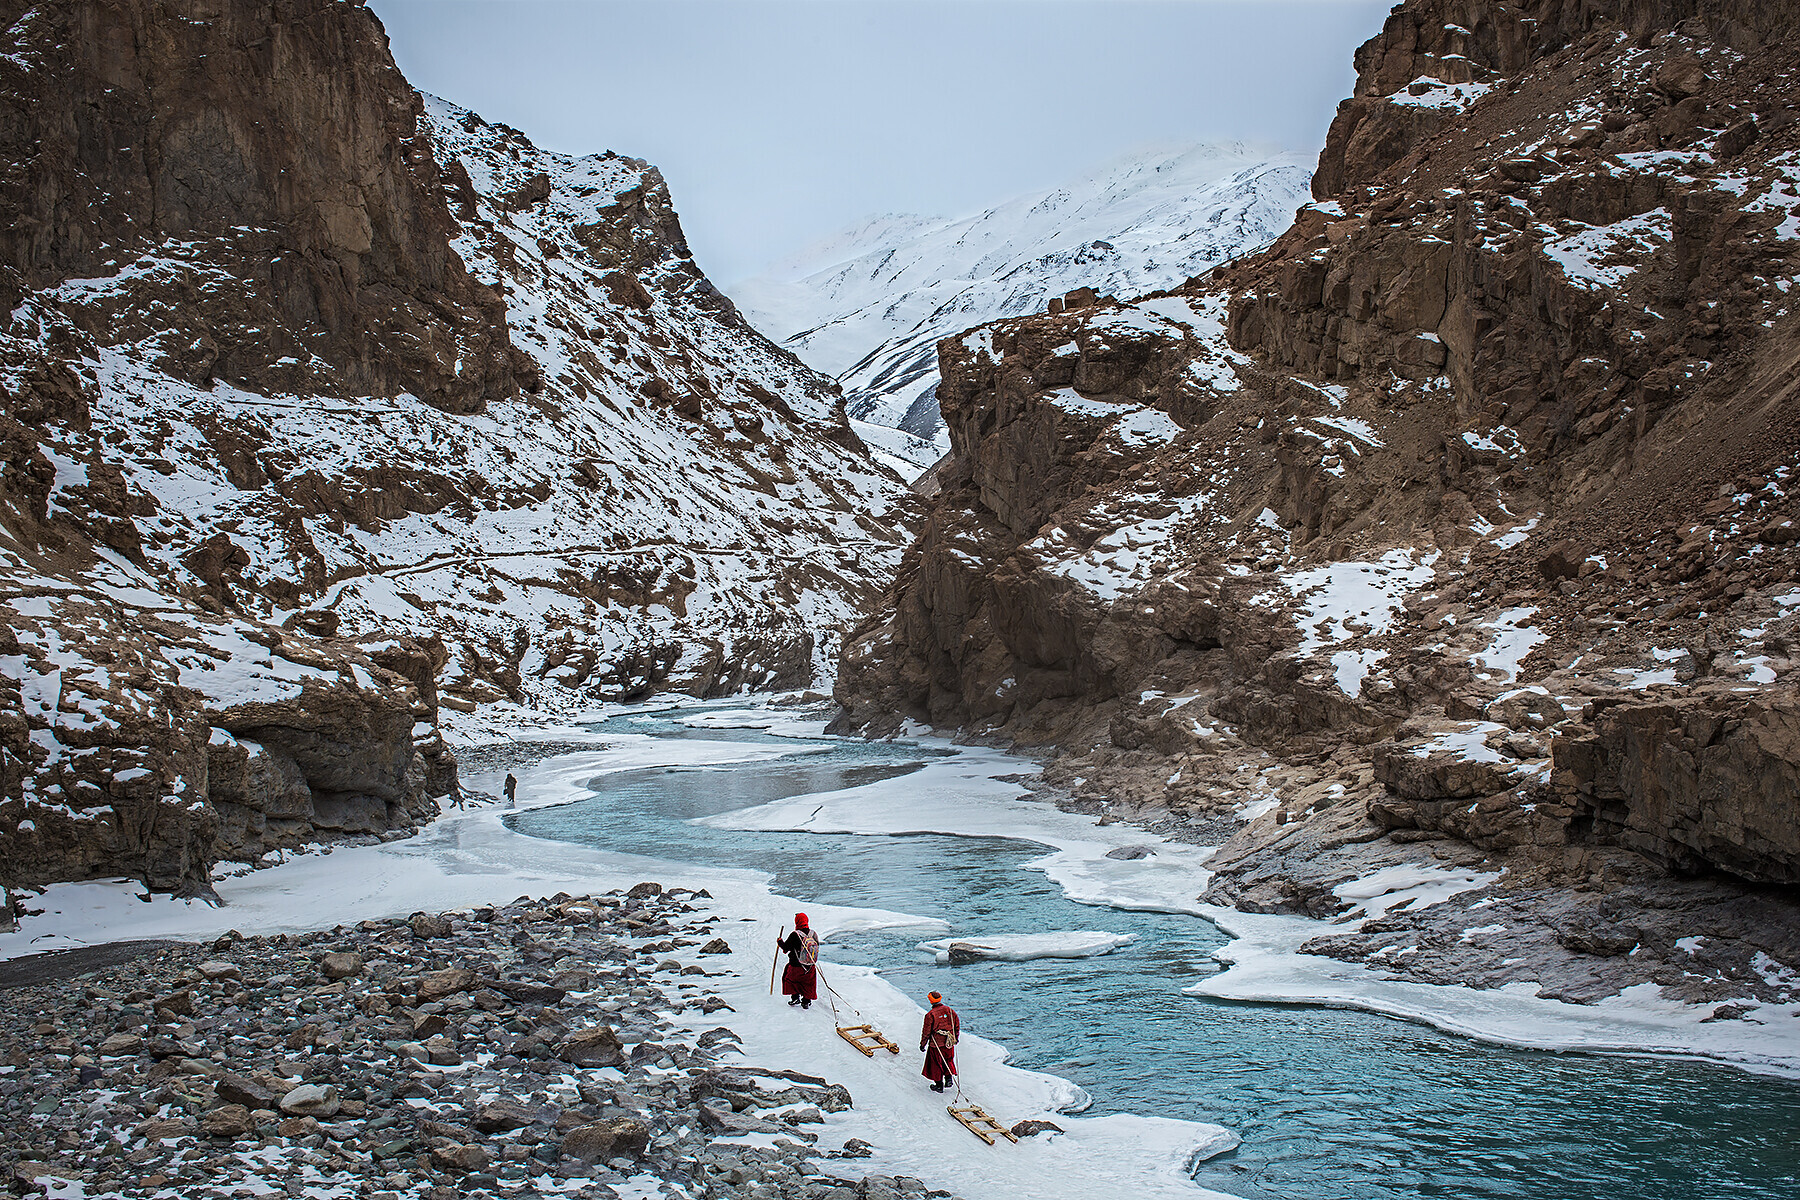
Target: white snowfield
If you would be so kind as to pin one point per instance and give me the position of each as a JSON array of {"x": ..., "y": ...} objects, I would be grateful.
[
  {"x": 1023, "y": 947},
  {"x": 869, "y": 304}
]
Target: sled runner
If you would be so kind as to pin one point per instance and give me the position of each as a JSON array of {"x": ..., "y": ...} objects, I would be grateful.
[
  {"x": 867, "y": 1038},
  {"x": 975, "y": 1119}
]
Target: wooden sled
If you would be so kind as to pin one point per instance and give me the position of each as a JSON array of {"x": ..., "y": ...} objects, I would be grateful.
[
  {"x": 975, "y": 1119},
  {"x": 867, "y": 1038}
]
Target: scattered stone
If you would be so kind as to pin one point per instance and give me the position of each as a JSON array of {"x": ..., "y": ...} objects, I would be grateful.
[
  {"x": 717, "y": 946},
  {"x": 1130, "y": 853},
  {"x": 527, "y": 993},
  {"x": 1025, "y": 1129},
  {"x": 229, "y": 1121},
  {"x": 216, "y": 969},
  {"x": 429, "y": 925},
  {"x": 427, "y": 1025},
  {"x": 601, "y": 1140},
  {"x": 435, "y": 985},
  {"x": 157, "y": 1128},
  {"x": 306, "y": 1071},
  {"x": 177, "y": 1004},
  {"x": 463, "y": 1158},
  {"x": 723, "y": 1120},
  {"x": 442, "y": 1052},
  {"x": 499, "y": 1116},
  {"x": 238, "y": 1090},
  {"x": 120, "y": 1044},
  {"x": 311, "y": 1100},
  {"x": 644, "y": 891},
  {"x": 595, "y": 1047},
  {"x": 341, "y": 965}
]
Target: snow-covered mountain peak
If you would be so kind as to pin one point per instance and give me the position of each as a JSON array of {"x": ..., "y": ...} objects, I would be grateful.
[{"x": 872, "y": 302}]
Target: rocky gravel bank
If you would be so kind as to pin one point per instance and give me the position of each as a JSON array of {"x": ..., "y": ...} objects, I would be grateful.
[{"x": 531, "y": 1049}]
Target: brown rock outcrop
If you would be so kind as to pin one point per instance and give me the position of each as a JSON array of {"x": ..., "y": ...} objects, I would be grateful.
[
  {"x": 221, "y": 135},
  {"x": 250, "y": 295},
  {"x": 1707, "y": 782}
]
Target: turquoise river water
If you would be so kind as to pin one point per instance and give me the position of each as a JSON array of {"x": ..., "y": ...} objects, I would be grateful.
[{"x": 1331, "y": 1105}]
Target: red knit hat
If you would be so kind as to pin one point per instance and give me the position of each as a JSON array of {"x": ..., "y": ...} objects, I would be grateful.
[{"x": 800, "y": 920}]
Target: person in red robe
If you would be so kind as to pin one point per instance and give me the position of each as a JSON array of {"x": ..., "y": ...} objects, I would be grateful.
[
  {"x": 938, "y": 1040},
  {"x": 800, "y": 978}
]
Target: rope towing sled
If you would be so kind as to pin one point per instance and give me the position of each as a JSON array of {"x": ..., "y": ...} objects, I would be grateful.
[{"x": 868, "y": 1039}]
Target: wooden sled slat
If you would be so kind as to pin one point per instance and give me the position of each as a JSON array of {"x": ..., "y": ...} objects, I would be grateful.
[
  {"x": 867, "y": 1038},
  {"x": 975, "y": 1119}
]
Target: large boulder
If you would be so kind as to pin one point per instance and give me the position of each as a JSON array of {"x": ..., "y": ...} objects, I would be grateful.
[{"x": 598, "y": 1046}]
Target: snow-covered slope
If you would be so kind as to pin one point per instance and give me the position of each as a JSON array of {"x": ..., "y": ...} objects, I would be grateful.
[
  {"x": 443, "y": 418},
  {"x": 868, "y": 305}
]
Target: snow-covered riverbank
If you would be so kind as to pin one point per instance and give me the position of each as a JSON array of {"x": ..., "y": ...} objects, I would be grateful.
[
  {"x": 467, "y": 859},
  {"x": 472, "y": 858}
]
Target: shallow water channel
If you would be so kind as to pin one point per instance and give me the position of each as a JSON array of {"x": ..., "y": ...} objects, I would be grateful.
[{"x": 1331, "y": 1105}]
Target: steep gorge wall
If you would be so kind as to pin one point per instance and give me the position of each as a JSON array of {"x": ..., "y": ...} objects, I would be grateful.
[
  {"x": 275, "y": 144},
  {"x": 256, "y": 176},
  {"x": 1509, "y": 412},
  {"x": 323, "y": 403},
  {"x": 1474, "y": 41}
]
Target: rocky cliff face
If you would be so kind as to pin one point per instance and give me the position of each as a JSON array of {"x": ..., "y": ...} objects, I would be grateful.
[
  {"x": 1490, "y": 455},
  {"x": 273, "y": 145},
  {"x": 326, "y": 403}
]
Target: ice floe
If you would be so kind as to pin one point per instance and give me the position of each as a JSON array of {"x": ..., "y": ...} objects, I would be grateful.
[{"x": 1022, "y": 947}]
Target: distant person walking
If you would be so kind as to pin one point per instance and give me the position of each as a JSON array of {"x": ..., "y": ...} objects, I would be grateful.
[
  {"x": 938, "y": 1040},
  {"x": 800, "y": 979},
  {"x": 512, "y": 789}
]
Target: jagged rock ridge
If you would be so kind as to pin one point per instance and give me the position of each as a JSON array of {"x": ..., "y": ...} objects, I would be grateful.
[
  {"x": 326, "y": 404},
  {"x": 1458, "y": 526}
]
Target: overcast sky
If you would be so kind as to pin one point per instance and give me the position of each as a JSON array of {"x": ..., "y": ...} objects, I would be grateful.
[{"x": 777, "y": 123}]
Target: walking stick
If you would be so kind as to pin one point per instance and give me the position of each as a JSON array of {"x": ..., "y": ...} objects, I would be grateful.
[{"x": 777, "y": 960}]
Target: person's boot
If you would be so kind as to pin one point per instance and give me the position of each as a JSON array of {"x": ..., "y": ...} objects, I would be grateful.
[
  {"x": 795, "y": 1001},
  {"x": 806, "y": 1004}
]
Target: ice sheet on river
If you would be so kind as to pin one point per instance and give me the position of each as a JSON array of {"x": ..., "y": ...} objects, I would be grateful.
[
  {"x": 1023, "y": 947},
  {"x": 471, "y": 858},
  {"x": 1266, "y": 965},
  {"x": 965, "y": 795}
]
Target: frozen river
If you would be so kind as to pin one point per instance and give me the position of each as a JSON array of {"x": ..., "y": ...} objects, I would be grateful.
[{"x": 1329, "y": 1103}]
